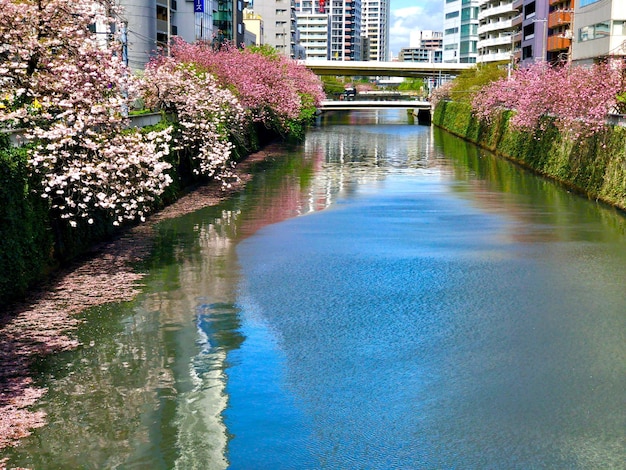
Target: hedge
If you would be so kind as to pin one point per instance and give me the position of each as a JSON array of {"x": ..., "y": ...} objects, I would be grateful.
[{"x": 594, "y": 166}]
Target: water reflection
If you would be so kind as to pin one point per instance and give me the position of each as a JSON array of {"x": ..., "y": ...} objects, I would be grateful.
[{"x": 435, "y": 308}]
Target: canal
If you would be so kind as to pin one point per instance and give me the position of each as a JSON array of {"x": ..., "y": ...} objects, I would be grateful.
[{"x": 383, "y": 295}]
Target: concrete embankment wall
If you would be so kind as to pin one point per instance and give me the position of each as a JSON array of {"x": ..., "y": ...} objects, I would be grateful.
[{"x": 594, "y": 166}]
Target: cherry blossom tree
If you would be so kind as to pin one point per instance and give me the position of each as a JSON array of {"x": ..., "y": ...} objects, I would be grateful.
[
  {"x": 577, "y": 98},
  {"x": 272, "y": 88},
  {"x": 208, "y": 118},
  {"x": 67, "y": 87}
]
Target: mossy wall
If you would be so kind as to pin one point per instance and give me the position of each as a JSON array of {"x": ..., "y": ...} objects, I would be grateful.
[
  {"x": 25, "y": 238},
  {"x": 594, "y": 166}
]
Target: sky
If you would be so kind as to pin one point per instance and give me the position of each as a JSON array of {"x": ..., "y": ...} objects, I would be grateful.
[{"x": 411, "y": 15}]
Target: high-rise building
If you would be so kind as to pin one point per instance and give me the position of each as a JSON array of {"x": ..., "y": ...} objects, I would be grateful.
[
  {"x": 227, "y": 20},
  {"x": 279, "y": 24},
  {"x": 313, "y": 25},
  {"x": 460, "y": 35},
  {"x": 559, "y": 41},
  {"x": 599, "y": 30},
  {"x": 150, "y": 25},
  {"x": 531, "y": 31},
  {"x": 496, "y": 31},
  {"x": 375, "y": 27},
  {"x": 345, "y": 29}
]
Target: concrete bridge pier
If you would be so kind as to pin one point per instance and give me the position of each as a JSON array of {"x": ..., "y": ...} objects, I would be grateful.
[{"x": 423, "y": 116}]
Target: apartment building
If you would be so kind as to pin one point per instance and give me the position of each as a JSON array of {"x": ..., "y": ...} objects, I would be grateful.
[
  {"x": 313, "y": 25},
  {"x": 279, "y": 24},
  {"x": 375, "y": 27},
  {"x": 150, "y": 25},
  {"x": 460, "y": 35},
  {"x": 559, "y": 41},
  {"x": 531, "y": 30},
  {"x": 599, "y": 30},
  {"x": 424, "y": 46},
  {"x": 345, "y": 38},
  {"x": 495, "y": 31}
]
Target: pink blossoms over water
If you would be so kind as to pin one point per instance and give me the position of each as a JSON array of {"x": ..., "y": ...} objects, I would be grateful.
[{"x": 67, "y": 87}]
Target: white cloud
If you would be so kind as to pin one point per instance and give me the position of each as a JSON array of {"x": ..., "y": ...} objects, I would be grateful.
[{"x": 405, "y": 19}]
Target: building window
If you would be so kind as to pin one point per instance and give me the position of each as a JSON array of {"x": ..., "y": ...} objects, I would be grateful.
[
  {"x": 584, "y": 3},
  {"x": 619, "y": 28},
  {"x": 596, "y": 31}
]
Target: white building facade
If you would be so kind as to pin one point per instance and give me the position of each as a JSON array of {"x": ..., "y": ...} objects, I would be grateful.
[
  {"x": 280, "y": 26},
  {"x": 460, "y": 34},
  {"x": 496, "y": 30},
  {"x": 599, "y": 30},
  {"x": 314, "y": 31},
  {"x": 375, "y": 28}
]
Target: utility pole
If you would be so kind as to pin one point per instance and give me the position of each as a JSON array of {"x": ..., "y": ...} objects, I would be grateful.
[{"x": 544, "y": 38}]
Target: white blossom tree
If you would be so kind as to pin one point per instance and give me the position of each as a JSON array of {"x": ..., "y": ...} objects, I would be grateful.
[{"x": 66, "y": 86}]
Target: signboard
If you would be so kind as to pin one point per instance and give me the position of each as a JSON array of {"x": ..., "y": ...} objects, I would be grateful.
[{"x": 198, "y": 6}]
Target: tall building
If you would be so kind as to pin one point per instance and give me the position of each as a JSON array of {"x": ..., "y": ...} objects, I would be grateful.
[
  {"x": 559, "y": 41},
  {"x": 313, "y": 25},
  {"x": 460, "y": 35},
  {"x": 532, "y": 25},
  {"x": 150, "y": 25},
  {"x": 375, "y": 27},
  {"x": 345, "y": 29},
  {"x": 279, "y": 24},
  {"x": 227, "y": 19},
  {"x": 496, "y": 31},
  {"x": 599, "y": 30}
]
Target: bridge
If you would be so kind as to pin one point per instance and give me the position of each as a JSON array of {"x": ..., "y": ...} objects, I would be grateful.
[
  {"x": 330, "y": 105},
  {"x": 385, "y": 69},
  {"x": 421, "y": 109}
]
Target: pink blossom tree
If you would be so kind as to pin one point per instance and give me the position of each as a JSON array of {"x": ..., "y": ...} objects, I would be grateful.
[
  {"x": 208, "y": 118},
  {"x": 578, "y": 98},
  {"x": 67, "y": 87},
  {"x": 272, "y": 88}
]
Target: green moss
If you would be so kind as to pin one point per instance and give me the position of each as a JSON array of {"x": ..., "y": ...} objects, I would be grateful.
[
  {"x": 595, "y": 166},
  {"x": 25, "y": 239}
]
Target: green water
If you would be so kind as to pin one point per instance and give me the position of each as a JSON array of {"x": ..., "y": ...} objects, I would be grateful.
[{"x": 382, "y": 295}]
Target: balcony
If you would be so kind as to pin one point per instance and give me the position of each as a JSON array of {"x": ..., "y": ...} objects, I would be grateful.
[
  {"x": 493, "y": 42},
  {"x": 518, "y": 4},
  {"x": 498, "y": 26},
  {"x": 495, "y": 57},
  {"x": 558, "y": 18},
  {"x": 558, "y": 43},
  {"x": 501, "y": 10},
  {"x": 517, "y": 21}
]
